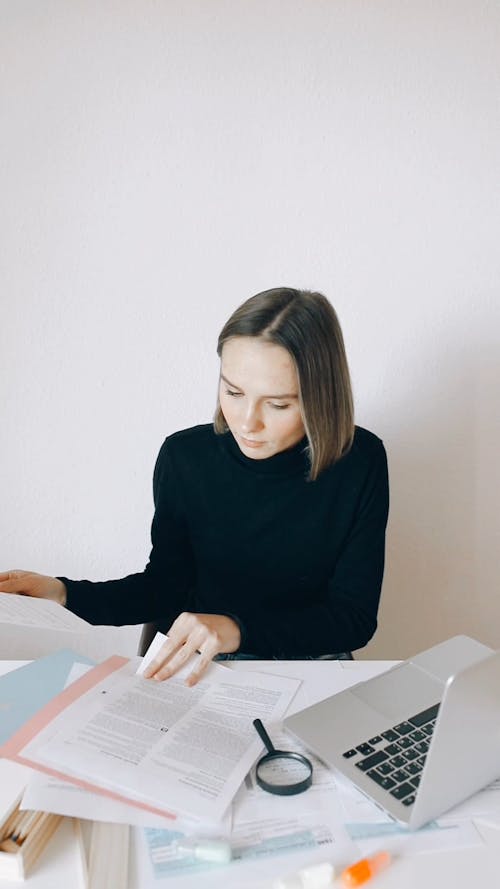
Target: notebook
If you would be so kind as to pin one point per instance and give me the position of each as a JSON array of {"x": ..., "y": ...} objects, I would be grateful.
[{"x": 421, "y": 737}]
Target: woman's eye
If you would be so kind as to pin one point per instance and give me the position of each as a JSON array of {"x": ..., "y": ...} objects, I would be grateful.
[
  {"x": 232, "y": 392},
  {"x": 280, "y": 407}
]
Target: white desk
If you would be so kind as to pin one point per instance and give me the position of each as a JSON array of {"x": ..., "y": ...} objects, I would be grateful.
[{"x": 462, "y": 869}]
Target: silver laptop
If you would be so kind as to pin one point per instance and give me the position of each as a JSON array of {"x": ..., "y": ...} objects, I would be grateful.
[{"x": 421, "y": 737}]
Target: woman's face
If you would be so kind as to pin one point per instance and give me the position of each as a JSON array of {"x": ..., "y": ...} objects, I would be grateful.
[{"x": 259, "y": 396}]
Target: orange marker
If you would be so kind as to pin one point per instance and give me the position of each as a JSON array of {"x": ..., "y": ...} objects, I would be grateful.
[{"x": 364, "y": 870}]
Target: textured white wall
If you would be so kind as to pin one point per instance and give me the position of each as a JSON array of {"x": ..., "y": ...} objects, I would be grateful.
[{"x": 162, "y": 161}]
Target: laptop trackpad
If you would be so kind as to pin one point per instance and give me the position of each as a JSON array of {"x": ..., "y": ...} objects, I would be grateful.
[{"x": 400, "y": 692}]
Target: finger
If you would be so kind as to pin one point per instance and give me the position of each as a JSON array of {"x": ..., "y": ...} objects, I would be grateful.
[
  {"x": 207, "y": 654},
  {"x": 12, "y": 586},
  {"x": 168, "y": 649},
  {"x": 4, "y": 575},
  {"x": 176, "y": 662},
  {"x": 177, "y": 636},
  {"x": 197, "y": 672},
  {"x": 13, "y": 574}
]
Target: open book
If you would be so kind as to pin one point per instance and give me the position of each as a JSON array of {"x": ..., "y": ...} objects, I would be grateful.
[{"x": 31, "y": 628}]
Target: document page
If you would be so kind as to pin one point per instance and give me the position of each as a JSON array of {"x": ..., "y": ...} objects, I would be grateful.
[
  {"x": 163, "y": 743},
  {"x": 31, "y": 612},
  {"x": 33, "y": 628},
  {"x": 63, "y": 798}
]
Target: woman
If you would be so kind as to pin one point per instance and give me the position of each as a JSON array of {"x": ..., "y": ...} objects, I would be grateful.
[{"x": 269, "y": 526}]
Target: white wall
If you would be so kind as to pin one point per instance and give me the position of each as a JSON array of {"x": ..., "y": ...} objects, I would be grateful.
[{"x": 161, "y": 160}]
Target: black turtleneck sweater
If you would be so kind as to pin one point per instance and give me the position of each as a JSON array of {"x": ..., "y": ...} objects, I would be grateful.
[{"x": 298, "y": 563}]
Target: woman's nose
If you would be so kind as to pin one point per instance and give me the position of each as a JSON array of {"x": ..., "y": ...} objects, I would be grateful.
[{"x": 251, "y": 421}]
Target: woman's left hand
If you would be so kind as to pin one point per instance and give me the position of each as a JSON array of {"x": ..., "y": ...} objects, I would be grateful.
[{"x": 210, "y": 634}]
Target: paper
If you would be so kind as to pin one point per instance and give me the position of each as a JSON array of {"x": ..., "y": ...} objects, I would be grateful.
[
  {"x": 266, "y": 825},
  {"x": 51, "y": 795},
  {"x": 437, "y": 836},
  {"x": 318, "y": 682},
  {"x": 41, "y": 725},
  {"x": 155, "y": 860},
  {"x": 370, "y": 827},
  {"x": 31, "y": 628},
  {"x": 265, "y": 828},
  {"x": 30, "y": 611},
  {"x": 64, "y": 798},
  {"x": 153, "y": 649},
  {"x": 161, "y": 743}
]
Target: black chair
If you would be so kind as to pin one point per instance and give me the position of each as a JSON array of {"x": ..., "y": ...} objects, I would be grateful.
[{"x": 149, "y": 631}]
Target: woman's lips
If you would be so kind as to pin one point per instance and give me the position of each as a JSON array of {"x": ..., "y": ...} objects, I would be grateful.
[{"x": 250, "y": 443}]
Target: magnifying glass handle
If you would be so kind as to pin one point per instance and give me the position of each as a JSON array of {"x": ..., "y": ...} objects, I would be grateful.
[{"x": 263, "y": 735}]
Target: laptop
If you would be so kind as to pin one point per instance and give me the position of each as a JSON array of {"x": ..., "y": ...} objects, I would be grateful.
[{"x": 419, "y": 738}]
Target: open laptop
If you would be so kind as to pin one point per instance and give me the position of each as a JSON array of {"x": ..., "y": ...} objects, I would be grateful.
[{"x": 419, "y": 738}]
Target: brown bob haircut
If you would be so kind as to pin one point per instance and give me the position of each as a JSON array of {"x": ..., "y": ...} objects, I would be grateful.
[{"x": 306, "y": 325}]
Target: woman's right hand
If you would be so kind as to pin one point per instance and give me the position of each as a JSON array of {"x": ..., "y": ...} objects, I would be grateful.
[{"x": 27, "y": 583}]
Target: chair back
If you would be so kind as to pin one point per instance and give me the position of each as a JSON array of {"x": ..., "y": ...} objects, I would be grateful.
[{"x": 149, "y": 631}]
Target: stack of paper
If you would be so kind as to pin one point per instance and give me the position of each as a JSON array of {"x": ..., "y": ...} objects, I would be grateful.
[{"x": 162, "y": 746}]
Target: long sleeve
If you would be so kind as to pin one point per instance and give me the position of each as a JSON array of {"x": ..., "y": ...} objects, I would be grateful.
[
  {"x": 162, "y": 590},
  {"x": 342, "y": 616}
]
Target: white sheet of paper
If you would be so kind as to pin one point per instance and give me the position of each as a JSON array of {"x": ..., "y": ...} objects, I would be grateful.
[
  {"x": 437, "y": 836},
  {"x": 155, "y": 646},
  {"x": 185, "y": 749},
  {"x": 29, "y": 611},
  {"x": 51, "y": 795},
  {"x": 97, "y": 643},
  {"x": 31, "y": 628}
]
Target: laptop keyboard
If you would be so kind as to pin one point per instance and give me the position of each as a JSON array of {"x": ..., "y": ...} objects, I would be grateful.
[{"x": 395, "y": 758}]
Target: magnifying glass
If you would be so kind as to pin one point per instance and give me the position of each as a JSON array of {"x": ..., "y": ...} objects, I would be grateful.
[{"x": 281, "y": 771}]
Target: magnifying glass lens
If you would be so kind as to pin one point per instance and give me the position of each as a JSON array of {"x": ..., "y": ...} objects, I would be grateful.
[{"x": 283, "y": 771}]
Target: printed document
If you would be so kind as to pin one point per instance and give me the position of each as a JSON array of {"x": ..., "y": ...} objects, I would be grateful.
[{"x": 160, "y": 744}]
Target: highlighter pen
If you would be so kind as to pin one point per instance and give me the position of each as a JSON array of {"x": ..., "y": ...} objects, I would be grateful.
[{"x": 364, "y": 870}]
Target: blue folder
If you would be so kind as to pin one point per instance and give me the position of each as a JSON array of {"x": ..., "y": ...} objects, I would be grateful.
[{"x": 26, "y": 690}]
